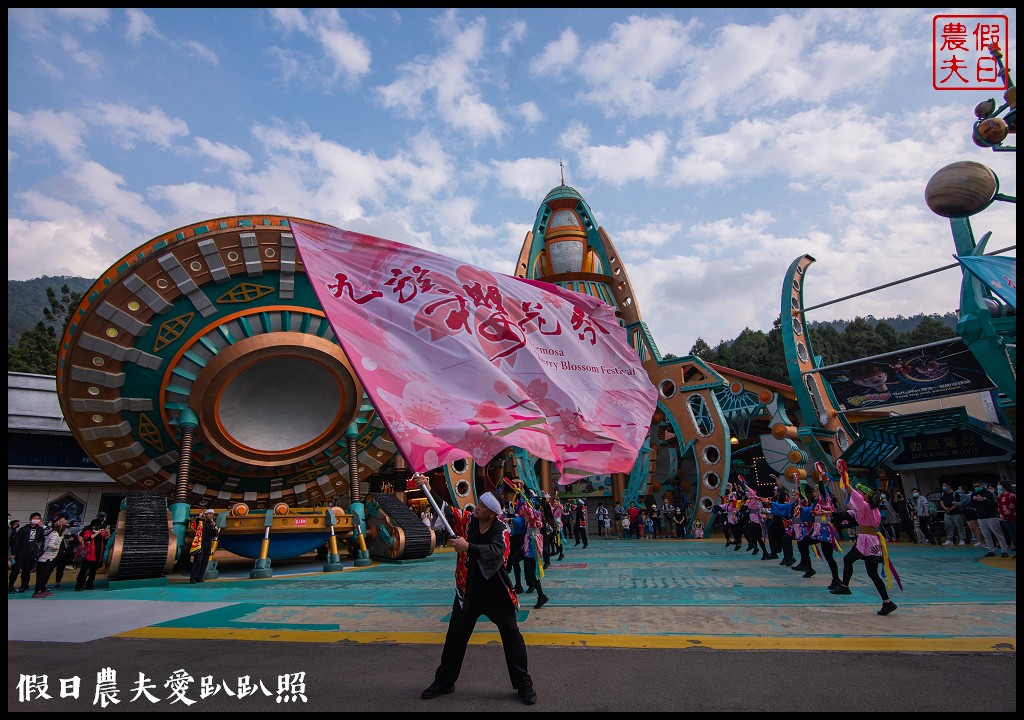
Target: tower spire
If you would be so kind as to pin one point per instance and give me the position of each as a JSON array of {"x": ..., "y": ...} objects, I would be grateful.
[{"x": 561, "y": 168}]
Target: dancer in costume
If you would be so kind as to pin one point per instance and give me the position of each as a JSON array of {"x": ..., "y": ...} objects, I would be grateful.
[
  {"x": 870, "y": 545},
  {"x": 533, "y": 549},
  {"x": 756, "y": 523},
  {"x": 482, "y": 587},
  {"x": 822, "y": 532},
  {"x": 782, "y": 512},
  {"x": 729, "y": 508}
]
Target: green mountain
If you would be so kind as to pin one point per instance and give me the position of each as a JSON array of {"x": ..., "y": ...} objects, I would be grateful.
[{"x": 27, "y": 298}]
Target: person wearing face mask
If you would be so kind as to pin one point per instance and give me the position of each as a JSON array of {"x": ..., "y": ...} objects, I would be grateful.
[
  {"x": 984, "y": 501},
  {"x": 27, "y": 546},
  {"x": 954, "y": 519},
  {"x": 52, "y": 541},
  {"x": 923, "y": 513},
  {"x": 890, "y": 519},
  {"x": 970, "y": 514}
]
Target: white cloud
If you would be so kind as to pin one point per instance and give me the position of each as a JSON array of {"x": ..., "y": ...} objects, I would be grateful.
[
  {"x": 346, "y": 55},
  {"x": 530, "y": 113},
  {"x": 139, "y": 26},
  {"x": 638, "y": 159},
  {"x": 198, "y": 199},
  {"x": 63, "y": 131},
  {"x": 229, "y": 155},
  {"x": 130, "y": 124},
  {"x": 290, "y": 19},
  {"x": 512, "y": 37},
  {"x": 347, "y": 51},
  {"x": 557, "y": 56},
  {"x": 448, "y": 78},
  {"x": 529, "y": 179}
]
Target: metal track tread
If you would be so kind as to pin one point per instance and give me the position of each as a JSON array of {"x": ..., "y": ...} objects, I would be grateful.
[
  {"x": 417, "y": 535},
  {"x": 146, "y": 534}
]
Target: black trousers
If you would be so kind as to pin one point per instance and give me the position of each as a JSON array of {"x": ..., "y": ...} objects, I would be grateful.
[
  {"x": 87, "y": 574},
  {"x": 199, "y": 562},
  {"x": 530, "y": 571},
  {"x": 827, "y": 552},
  {"x": 43, "y": 570},
  {"x": 776, "y": 531},
  {"x": 502, "y": 613},
  {"x": 22, "y": 566},
  {"x": 871, "y": 563},
  {"x": 580, "y": 534},
  {"x": 515, "y": 560}
]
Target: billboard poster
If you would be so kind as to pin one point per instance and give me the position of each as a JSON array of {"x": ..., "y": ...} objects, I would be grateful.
[{"x": 926, "y": 372}]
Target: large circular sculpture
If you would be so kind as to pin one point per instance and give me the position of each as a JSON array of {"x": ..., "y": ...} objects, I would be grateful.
[{"x": 216, "y": 321}]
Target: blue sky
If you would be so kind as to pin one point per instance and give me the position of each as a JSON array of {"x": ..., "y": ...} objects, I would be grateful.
[{"x": 714, "y": 146}]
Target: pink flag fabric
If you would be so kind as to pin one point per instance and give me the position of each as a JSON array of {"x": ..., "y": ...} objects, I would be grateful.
[{"x": 461, "y": 362}]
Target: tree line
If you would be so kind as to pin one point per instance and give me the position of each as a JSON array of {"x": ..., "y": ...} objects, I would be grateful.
[
  {"x": 753, "y": 351},
  {"x": 762, "y": 354}
]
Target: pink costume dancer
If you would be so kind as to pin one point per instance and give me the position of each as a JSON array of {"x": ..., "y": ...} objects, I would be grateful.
[
  {"x": 870, "y": 545},
  {"x": 533, "y": 550},
  {"x": 755, "y": 505},
  {"x": 729, "y": 507}
]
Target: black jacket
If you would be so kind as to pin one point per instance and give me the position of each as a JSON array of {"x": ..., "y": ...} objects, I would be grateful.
[{"x": 28, "y": 542}]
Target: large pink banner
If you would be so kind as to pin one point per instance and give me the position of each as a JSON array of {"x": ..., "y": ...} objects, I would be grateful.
[{"x": 463, "y": 363}]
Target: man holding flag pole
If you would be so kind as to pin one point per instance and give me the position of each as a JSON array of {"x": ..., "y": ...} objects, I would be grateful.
[
  {"x": 462, "y": 363},
  {"x": 482, "y": 587}
]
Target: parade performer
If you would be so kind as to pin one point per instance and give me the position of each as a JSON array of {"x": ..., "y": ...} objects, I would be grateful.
[
  {"x": 870, "y": 547},
  {"x": 728, "y": 506},
  {"x": 756, "y": 526},
  {"x": 822, "y": 532},
  {"x": 782, "y": 511},
  {"x": 482, "y": 587},
  {"x": 205, "y": 530},
  {"x": 533, "y": 549}
]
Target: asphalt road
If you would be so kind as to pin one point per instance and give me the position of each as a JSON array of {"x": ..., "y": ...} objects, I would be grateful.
[{"x": 346, "y": 677}]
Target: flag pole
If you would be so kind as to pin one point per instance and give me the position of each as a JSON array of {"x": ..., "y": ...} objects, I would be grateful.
[{"x": 424, "y": 482}]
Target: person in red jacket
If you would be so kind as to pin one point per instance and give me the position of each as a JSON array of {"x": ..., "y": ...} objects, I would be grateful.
[{"x": 94, "y": 538}]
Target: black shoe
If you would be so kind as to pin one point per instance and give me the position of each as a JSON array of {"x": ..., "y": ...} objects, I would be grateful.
[
  {"x": 790, "y": 562},
  {"x": 835, "y": 585},
  {"x": 191, "y": 582},
  {"x": 547, "y": 565},
  {"x": 811, "y": 572},
  {"x": 799, "y": 568},
  {"x": 541, "y": 602},
  {"x": 765, "y": 556},
  {"x": 20, "y": 590},
  {"x": 738, "y": 545},
  {"x": 436, "y": 689},
  {"x": 773, "y": 556},
  {"x": 519, "y": 589},
  {"x": 785, "y": 562},
  {"x": 751, "y": 547},
  {"x": 561, "y": 556},
  {"x": 754, "y": 552},
  {"x": 529, "y": 589},
  {"x": 990, "y": 554},
  {"x": 528, "y": 695},
  {"x": 841, "y": 590},
  {"x": 887, "y": 607}
]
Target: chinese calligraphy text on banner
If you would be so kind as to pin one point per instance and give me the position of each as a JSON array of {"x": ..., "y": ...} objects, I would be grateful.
[
  {"x": 461, "y": 362},
  {"x": 960, "y": 52}
]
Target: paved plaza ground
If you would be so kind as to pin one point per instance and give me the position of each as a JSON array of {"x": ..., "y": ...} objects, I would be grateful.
[{"x": 665, "y": 605}]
